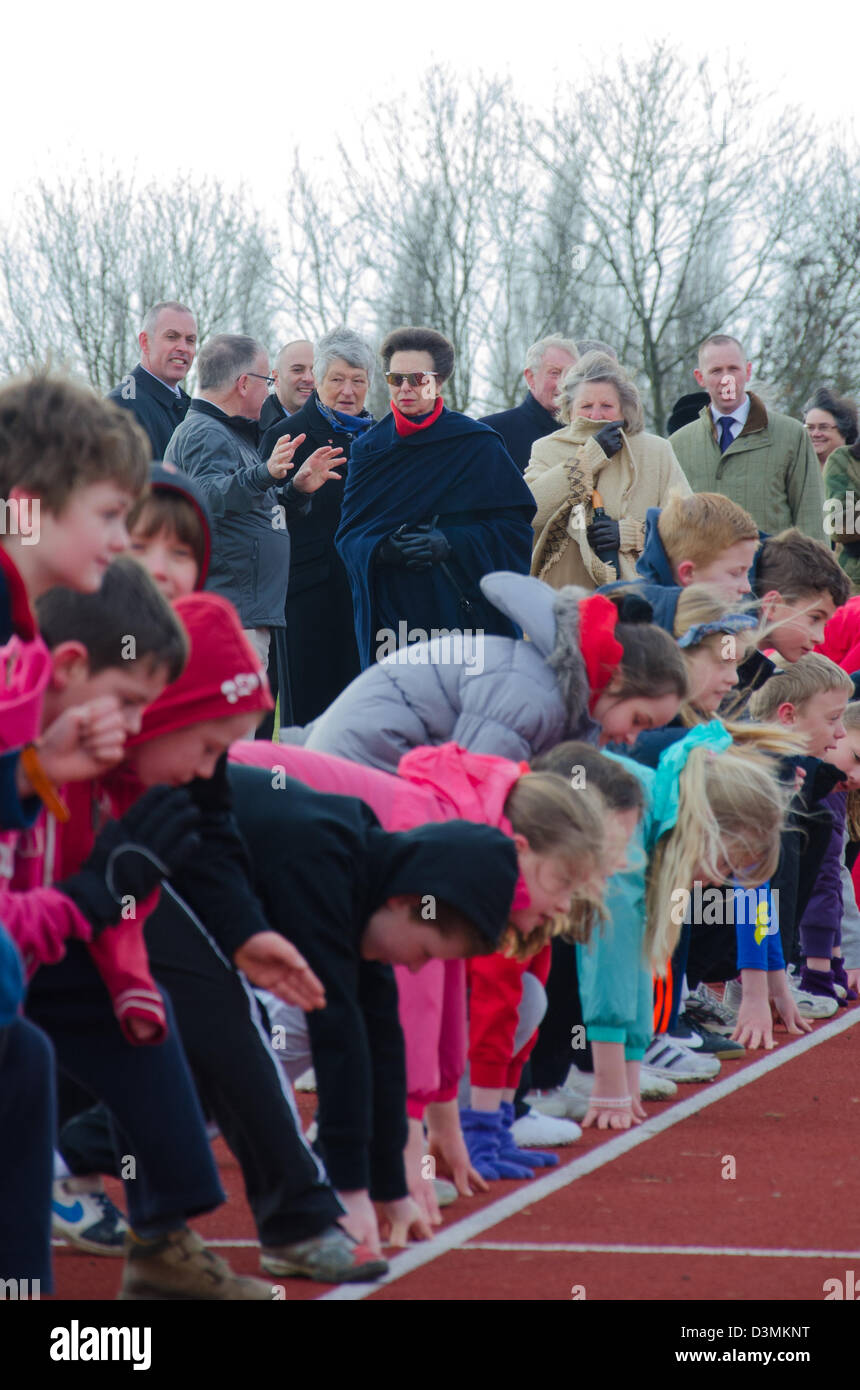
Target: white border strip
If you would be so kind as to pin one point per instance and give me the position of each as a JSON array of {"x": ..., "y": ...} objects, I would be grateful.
[
  {"x": 752, "y": 1253},
  {"x": 535, "y": 1190}
]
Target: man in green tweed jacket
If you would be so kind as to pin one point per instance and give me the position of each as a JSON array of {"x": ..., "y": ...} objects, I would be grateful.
[{"x": 762, "y": 460}]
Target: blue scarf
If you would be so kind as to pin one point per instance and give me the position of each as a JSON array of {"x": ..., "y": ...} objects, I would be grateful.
[{"x": 349, "y": 424}]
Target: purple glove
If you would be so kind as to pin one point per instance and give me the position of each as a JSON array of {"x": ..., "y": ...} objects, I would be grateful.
[{"x": 483, "y": 1131}]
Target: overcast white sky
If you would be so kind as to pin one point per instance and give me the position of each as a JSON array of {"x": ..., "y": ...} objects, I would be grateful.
[{"x": 227, "y": 89}]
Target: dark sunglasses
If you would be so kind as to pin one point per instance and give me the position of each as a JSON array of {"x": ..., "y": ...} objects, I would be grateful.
[{"x": 414, "y": 378}]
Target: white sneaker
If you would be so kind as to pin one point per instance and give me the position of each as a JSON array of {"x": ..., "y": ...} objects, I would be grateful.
[
  {"x": 580, "y": 1081},
  {"x": 536, "y": 1131},
  {"x": 560, "y": 1103},
  {"x": 652, "y": 1086},
  {"x": 810, "y": 1005},
  {"x": 83, "y": 1214},
  {"x": 307, "y": 1081},
  {"x": 675, "y": 1062},
  {"x": 446, "y": 1192}
]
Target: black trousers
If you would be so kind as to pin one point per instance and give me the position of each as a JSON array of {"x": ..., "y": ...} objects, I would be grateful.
[
  {"x": 27, "y": 1124},
  {"x": 238, "y": 1079},
  {"x": 552, "y": 1056},
  {"x": 154, "y": 1114}
]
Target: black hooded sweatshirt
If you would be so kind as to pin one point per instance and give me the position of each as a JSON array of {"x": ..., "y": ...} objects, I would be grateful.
[{"x": 322, "y": 865}]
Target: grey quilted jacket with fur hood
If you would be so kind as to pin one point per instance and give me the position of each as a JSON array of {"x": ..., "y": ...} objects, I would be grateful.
[{"x": 499, "y": 695}]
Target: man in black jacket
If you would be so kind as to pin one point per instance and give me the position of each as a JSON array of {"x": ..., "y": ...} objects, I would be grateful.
[
  {"x": 151, "y": 391},
  {"x": 546, "y": 363}
]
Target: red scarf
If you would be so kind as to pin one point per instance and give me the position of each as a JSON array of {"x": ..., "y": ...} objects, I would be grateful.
[
  {"x": 601, "y": 650},
  {"x": 404, "y": 425}
]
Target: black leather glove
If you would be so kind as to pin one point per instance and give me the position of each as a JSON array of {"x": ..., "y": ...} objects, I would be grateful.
[
  {"x": 609, "y": 438},
  {"x": 439, "y": 546},
  {"x": 414, "y": 547},
  {"x": 132, "y": 855},
  {"x": 604, "y": 534}
]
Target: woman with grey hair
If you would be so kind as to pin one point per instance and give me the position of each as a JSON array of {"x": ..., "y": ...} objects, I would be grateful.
[
  {"x": 594, "y": 479},
  {"x": 322, "y": 656},
  {"x": 831, "y": 422}
]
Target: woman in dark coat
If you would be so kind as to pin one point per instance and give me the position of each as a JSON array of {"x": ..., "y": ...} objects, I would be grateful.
[
  {"x": 322, "y": 656},
  {"x": 432, "y": 503}
]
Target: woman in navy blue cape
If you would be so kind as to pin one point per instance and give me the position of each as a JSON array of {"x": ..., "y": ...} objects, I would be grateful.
[{"x": 445, "y": 472}]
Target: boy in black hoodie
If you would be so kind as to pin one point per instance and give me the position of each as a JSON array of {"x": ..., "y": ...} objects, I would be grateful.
[{"x": 356, "y": 900}]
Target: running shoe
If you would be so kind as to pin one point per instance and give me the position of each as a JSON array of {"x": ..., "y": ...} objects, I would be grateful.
[
  {"x": 733, "y": 996},
  {"x": 654, "y": 1087},
  {"x": 84, "y": 1215},
  {"x": 560, "y": 1103},
  {"x": 332, "y": 1257},
  {"x": 536, "y": 1131},
  {"x": 179, "y": 1266},
  {"x": 677, "y": 1063},
  {"x": 702, "y": 1006},
  {"x": 840, "y": 980},
  {"x": 810, "y": 1005},
  {"x": 446, "y": 1192},
  {"x": 713, "y": 1044}
]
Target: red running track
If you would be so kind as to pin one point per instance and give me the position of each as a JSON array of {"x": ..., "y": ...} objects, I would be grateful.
[{"x": 658, "y": 1192}]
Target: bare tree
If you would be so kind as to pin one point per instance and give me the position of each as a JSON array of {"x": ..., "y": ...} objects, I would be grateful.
[
  {"x": 321, "y": 279},
  {"x": 684, "y": 209},
  {"x": 810, "y": 335},
  {"x": 87, "y": 256},
  {"x": 438, "y": 230}
]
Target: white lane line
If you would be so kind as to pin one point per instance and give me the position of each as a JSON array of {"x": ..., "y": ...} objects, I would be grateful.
[
  {"x": 755, "y": 1254},
  {"x": 222, "y": 1244},
  {"x": 535, "y": 1190}
]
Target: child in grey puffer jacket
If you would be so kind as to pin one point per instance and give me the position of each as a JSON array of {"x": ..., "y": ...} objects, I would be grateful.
[{"x": 594, "y": 668}]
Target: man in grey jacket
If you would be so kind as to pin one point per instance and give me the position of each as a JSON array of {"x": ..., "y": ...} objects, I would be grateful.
[{"x": 216, "y": 444}]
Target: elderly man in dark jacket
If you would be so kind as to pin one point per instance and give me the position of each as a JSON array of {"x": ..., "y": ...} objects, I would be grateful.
[
  {"x": 546, "y": 363},
  {"x": 151, "y": 390},
  {"x": 217, "y": 445},
  {"x": 321, "y": 646}
]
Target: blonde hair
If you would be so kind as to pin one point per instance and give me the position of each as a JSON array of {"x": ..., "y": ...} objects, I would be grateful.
[
  {"x": 732, "y": 807},
  {"x": 566, "y": 823},
  {"x": 700, "y": 603},
  {"x": 596, "y": 366},
  {"x": 812, "y": 675},
  {"x": 851, "y": 717},
  {"x": 701, "y": 527}
]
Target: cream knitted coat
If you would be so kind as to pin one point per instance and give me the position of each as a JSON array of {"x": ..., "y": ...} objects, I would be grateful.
[{"x": 564, "y": 469}]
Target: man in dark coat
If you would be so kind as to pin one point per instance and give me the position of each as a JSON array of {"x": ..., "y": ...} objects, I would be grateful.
[
  {"x": 294, "y": 380},
  {"x": 546, "y": 364},
  {"x": 151, "y": 391},
  {"x": 321, "y": 648}
]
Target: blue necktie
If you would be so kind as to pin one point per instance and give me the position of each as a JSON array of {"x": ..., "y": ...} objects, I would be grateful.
[{"x": 726, "y": 422}]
